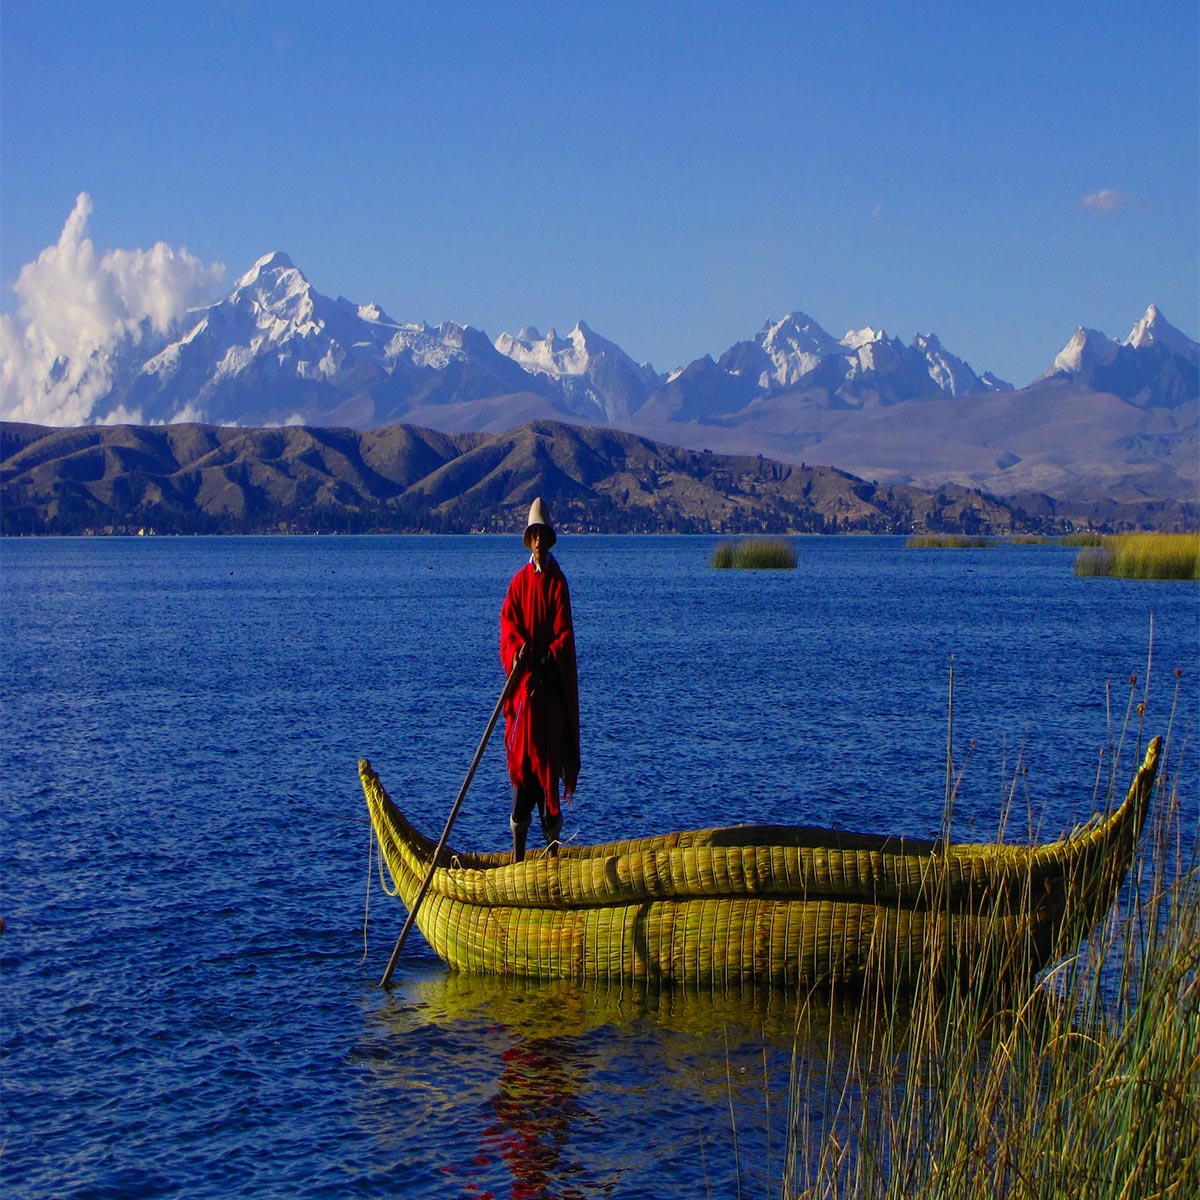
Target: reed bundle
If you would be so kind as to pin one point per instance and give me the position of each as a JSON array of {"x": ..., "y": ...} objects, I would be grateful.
[
  {"x": 1143, "y": 556},
  {"x": 755, "y": 554},
  {"x": 948, "y": 541}
]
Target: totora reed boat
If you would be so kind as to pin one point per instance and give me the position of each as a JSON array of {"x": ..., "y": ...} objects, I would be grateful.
[{"x": 764, "y": 904}]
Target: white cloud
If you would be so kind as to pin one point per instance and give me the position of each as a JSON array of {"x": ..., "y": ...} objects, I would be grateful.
[
  {"x": 75, "y": 307},
  {"x": 120, "y": 416},
  {"x": 1105, "y": 200},
  {"x": 189, "y": 412}
]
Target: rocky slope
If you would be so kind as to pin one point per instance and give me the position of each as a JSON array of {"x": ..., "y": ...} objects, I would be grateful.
[{"x": 191, "y": 478}]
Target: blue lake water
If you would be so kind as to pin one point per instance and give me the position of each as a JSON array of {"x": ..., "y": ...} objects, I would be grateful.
[{"x": 186, "y": 1006}]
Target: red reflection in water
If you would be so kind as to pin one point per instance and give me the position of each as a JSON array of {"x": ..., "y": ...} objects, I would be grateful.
[{"x": 534, "y": 1107}]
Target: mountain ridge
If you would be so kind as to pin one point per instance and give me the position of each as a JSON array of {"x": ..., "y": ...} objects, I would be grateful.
[
  {"x": 1109, "y": 421},
  {"x": 195, "y": 478}
]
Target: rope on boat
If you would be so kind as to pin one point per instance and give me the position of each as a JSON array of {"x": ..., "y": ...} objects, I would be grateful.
[
  {"x": 394, "y": 890},
  {"x": 387, "y": 891},
  {"x": 367, "y": 907}
]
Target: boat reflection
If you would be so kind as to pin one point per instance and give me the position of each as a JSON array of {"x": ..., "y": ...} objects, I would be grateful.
[
  {"x": 489, "y": 1086},
  {"x": 438, "y": 996}
]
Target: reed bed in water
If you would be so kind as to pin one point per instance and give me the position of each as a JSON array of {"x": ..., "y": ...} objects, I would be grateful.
[
  {"x": 1143, "y": 556},
  {"x": 1087, "y": 1084},
  {"x": 755, "y": 554},
  {"x": 947, "y": 541}
]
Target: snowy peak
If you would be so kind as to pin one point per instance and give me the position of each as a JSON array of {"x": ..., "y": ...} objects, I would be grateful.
[
  {"x": 781, "y": 354},
  {"x": 795, "y": 346},
  {"x": 1156, "y": 366},
  {"x": 797, "y": 331},
  {"x": 796, "y": 352},
  {"x": 276, "y": 350},
  {"x": 275, "y": 306},
  {"x": 1087, "y": 348},
  {"x": 275, "y": 260},
  {"x": 549, "y": 355},
  {"x": 371, "y": 313},
  {"x": 276, "y": 296},
  {"x": 855, "y": 339},
  {"x": 1148, "y": 329},
  {"x": 948, "y": 371},
  {"x": 599, "y": 380},
  {"x": 1155, "y": 330},
  {"x": 556, "y": 356}
]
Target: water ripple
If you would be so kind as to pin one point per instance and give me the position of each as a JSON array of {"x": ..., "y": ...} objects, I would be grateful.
[{"x": 185, "y": 858}]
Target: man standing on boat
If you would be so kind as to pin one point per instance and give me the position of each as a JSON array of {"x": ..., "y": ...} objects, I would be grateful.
[{"x": 541, "y": 714}]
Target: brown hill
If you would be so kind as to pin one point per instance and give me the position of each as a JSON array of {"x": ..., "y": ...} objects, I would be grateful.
[{"x": 211, "y": 479}]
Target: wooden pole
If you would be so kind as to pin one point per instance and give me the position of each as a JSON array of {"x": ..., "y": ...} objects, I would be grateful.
[{"x": 433, "y": 862}]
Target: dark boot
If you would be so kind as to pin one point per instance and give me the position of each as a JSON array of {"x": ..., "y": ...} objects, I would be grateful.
[
  {"x": 551, "y": 836},
  {"x": 519, "y": 833}
]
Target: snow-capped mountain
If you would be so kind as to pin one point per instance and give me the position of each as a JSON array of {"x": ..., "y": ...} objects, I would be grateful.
[
  {"x": 782, "y": 353},
  {"x": 1120, "y": 420},
  {"x": 1156, "y": 365},
  {"x": 1109, "y": 417},
  {"x": 599, "y": 380},
  {"x": 1155, "y": 330},
  {"x": 1086, "y": 349},
  {"x": 951, "y": 374},
  {"x": 276, "y": 351},
  {"x": 796, "y": 353}
]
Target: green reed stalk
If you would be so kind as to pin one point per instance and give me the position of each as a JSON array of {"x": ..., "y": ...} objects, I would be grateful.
[
  {"x": 755, "y": 554},
  {"x": 1086, "y": 1083},
  {"x": 1143, "y": 556},
  {"x": 948, "y": 541}
]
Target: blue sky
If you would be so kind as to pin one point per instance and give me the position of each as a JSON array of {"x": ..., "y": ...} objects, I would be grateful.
[{"x": 672, "y": 174}]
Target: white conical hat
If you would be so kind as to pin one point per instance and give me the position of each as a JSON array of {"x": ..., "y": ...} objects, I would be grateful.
[{"x": 539, "y": 514}]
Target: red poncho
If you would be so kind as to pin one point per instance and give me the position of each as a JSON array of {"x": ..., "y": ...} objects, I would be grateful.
[{"x": 541, "y": 721}]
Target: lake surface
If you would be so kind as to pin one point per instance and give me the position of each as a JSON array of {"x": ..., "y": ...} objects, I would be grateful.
[{"x": 186, "y": 1006}]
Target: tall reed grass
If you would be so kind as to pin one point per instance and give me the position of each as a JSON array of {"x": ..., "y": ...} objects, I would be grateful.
[
  {"x": 1085, "y": 1085},
  {"x": 1143, "y": 556},
  {"x": 947, "y": 541},
  {"x": 755, "y": 554}
]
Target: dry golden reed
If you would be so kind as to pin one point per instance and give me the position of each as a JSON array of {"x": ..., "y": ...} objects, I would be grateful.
[
  {"x": 1143, "y": 556},
  {"x": 1087, "y": 1084}
]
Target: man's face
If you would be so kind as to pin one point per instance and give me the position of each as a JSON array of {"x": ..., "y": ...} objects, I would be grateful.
[{"x": 537, "y": 543}]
